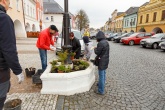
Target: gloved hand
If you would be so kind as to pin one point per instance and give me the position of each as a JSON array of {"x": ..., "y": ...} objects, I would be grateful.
[
  {"x": 20, "y": 78},
  {"x": 52, "y": 48}
]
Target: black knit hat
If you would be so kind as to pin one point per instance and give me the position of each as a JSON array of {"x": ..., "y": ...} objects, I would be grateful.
[
  {"x": 53, "y": 27},
  {"x": 86, "y": 39}
]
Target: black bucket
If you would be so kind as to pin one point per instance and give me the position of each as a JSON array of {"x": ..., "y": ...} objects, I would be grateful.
[
  {"x": 30, "y": 71},
  {"x": 14, "y": 104}
]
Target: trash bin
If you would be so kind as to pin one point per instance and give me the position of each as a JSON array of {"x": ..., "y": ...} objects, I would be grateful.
[
  {"x": 14, "y": 104},
  {"x": 30, "y": 71}
]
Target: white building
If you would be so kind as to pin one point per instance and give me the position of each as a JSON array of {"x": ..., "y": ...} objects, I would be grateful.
[
  {"x": 53, "y": 14},
  {"x": 31, "y": 23}
]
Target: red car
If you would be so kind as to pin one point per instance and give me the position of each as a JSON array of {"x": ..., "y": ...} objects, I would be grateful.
[{"x": 135, "y": 38}]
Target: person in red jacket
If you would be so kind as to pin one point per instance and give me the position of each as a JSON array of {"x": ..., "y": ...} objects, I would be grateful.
[{"x": 45, "y": 43}]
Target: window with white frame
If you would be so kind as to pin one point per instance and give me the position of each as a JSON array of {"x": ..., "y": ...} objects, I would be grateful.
[
  {"x": 10, "y": 4},
  {"x": 31, "y": 11},
  {"x": 25, "y": 8},
  {"x": 17, "y": 5}
]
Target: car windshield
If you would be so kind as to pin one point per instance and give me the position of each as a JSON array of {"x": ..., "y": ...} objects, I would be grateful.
[
  {"x": 124, "y": 34},
  {"x": 157, "y": 36},
  {"x": 77, "y": 34},
  {"x": 135, "y": 34}
]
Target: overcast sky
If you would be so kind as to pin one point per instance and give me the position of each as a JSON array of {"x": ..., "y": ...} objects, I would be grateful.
[{"x": 99, "y": 11}]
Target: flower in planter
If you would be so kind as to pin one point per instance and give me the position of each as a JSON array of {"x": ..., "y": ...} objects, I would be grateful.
[
  {"x": 54, "y": 62},
  {"x": 62, "y": 56},
  {"x": 61, "y": 69},
  {"x": 54, "y": 69}
]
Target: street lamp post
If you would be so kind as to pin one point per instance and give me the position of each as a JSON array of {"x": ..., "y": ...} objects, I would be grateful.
[{"x": 65, "y": 33}]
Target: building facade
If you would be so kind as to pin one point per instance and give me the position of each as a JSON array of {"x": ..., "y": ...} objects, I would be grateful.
[
  {"x": 130, "y": 20},
  {"x": 39, "y": 14},
  {"x": 151, "y": 17},
  {"x": 16, "y": 13},
  {"x": 112, "y": 24},
  {"x": 119, "y": 22},
  {"x": 31, "y": 22},
  {"x": 53, "y": 14}
]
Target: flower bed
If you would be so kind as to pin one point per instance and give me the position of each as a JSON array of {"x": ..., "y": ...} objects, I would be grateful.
[{"x": 69, "y": 83}]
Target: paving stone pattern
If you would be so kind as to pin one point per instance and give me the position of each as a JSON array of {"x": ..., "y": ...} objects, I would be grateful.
[
  {"x": 135, "y": 81},
  {"x": 35, "y": 101}
]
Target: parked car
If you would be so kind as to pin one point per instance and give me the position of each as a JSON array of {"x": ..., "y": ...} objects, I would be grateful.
[
  {"x": 92, "y": 35},
  {"x": 107, "y": 34},
  {"x": 162, "y": 45},
  {"x": 78, "y": 35},
  {"x": 154, "y": 41},
  {"x": 118, "y": 38},
  {"x": 111, "y": 37},
  {"x": 135, "y": 38}
]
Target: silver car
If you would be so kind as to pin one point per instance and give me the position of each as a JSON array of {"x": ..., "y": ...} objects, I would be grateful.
[{"x": 78, "y": 35}]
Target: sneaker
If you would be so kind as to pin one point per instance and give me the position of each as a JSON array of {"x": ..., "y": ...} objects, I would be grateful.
[{"x": 97, "y": 92}]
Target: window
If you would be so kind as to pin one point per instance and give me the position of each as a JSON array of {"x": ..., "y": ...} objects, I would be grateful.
[
  {"x": 31, "y": 11},
  {"x": 17, "y": 3},
  {"x": 27, "y": 9},
  {"x": 10, "y": 4},
  {"x": 154, "y": 16},
  {"x": 163, "y": 15},
  {"x": 125, "y": 23},
  {"x": 134, "y": 21},
  {"x": 147, "y": 18},
  {"x": 140, "y": 35},
  {"x": 141, "y": 18},
  {"x": 148, "y": 34},
  {"x": 52, "y": 18}
]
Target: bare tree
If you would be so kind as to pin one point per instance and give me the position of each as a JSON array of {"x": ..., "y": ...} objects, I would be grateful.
[{"x": 82, "y": 19}]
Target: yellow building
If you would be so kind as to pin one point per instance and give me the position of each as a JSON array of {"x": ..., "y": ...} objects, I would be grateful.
[
  {"x": 151, "y": 17},
  {"x": 119, "y": 21},
  {"x": 16, "y": 13}
]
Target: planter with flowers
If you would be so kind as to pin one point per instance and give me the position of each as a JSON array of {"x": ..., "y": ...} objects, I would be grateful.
[{"x": 63, "y": 79}]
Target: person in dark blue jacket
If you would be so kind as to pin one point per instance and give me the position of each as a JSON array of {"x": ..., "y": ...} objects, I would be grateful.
[
  {"x": 102, "y": 52},
  {"x": 8, "y": 52}
]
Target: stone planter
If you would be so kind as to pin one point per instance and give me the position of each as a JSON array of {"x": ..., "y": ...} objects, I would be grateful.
[{"x": 67, "y": 83}]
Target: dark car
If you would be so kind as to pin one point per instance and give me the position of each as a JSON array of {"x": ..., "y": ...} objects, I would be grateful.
[
  {"x": 118, "y": 38},
  {"x": 111, "y": 37},
  {"x": 154, "y": 41},
  {"x": 162, "y": 45}
]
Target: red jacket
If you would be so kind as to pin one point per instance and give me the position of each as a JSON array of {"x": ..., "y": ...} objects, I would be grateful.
[{"x": 44, "y": 40}]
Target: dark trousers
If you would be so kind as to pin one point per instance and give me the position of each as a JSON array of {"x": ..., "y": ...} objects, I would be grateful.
[
  {"x": 2, "y": 100},
  {"x": 4, "y": 89}
]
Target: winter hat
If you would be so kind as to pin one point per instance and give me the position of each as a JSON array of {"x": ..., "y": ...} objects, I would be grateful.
[
  {"x": 53, "y": 27},
  {"x": 86, "y": 39}
]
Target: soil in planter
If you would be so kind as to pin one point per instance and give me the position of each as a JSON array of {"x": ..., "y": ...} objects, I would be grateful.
[{"x": 14, "y": 104}]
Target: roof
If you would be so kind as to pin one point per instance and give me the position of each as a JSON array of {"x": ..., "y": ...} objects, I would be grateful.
[
  {"x": 52, "y": 7},
  {"x": 132, "y": 10},
  {"x": 119, "y": 13},
  {"x": 145, "y": 4}
]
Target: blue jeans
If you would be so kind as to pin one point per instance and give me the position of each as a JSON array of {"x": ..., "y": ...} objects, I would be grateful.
[
  {"x": 101, "y": 84},
  {"x": 43, "y": 56}
]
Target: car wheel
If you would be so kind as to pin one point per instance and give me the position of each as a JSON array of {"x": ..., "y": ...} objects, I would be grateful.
[
  {"x": 112, "y": 39},
  {"x": 143, "y": 46},
  {"x": 131, "y": 42},
  {"x": 155, "y": 46}
]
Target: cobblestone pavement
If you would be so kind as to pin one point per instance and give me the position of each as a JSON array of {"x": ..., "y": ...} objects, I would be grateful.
[
  {"x": 135, "y": 81},
  {"x": 35, "y": 101}
]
